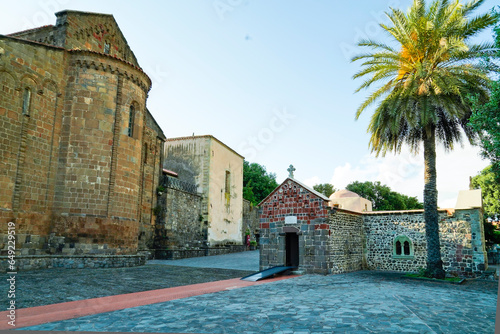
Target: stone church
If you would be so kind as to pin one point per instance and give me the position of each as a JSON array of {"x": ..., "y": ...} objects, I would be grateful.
[
  {"x": 302, "y": 228},
  {"x": 81, "y": 153}
]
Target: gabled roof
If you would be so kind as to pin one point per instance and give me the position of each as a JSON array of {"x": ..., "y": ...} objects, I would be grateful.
[{"x": 314, "y": 192}]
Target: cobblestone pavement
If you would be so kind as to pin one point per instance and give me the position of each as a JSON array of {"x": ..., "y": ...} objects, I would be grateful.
[
  {"x": 50, "y": 286},
  {"x": 359, "y": 302}
]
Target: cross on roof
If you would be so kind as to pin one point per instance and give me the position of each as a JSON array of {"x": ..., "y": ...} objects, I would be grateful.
[{"x": 290, "y": 170}]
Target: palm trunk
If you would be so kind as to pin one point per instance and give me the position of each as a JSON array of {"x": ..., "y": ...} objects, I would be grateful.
[{"x": 434, "y": 262}]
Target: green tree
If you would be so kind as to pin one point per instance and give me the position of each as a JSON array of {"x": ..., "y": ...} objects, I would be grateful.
[
  {"x": 486, "y": 117},
  {"x": 325, "y": 188},
  {"x": 424, "y": 80},
  {"x": 257, "y": 182},
  {"x": 486, "y": 181},
  {"x": 383, "y": 198}
]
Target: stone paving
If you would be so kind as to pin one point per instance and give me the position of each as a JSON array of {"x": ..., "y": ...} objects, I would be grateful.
[
  {"x": 359, "y": 302},
  {"x": 50, "y": 286}
]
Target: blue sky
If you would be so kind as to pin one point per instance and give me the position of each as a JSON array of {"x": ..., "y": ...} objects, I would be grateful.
[{"x": 271, "y": 79}]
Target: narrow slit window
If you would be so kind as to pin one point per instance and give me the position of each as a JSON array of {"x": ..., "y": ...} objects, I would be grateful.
[
  {"x": 131, "y": 118},
  {"x": 26, "y": 101},
  {"x": 228, "y": 182},
  {"x": 107, "y": 48}
]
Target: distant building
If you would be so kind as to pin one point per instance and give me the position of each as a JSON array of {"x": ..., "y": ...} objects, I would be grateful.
[
  {"x": 348, "y": 200},
  {"x": 81, "y": 154},
  {"x": 217, "y": 172}
]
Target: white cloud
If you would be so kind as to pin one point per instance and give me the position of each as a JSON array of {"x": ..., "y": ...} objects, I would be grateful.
[
  {"x": 404, "y": 173},
  {"x": 312, "y": 181}
]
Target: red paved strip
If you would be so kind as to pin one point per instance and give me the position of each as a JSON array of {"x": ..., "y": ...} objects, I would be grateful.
[{"x": 56, "y": 312}]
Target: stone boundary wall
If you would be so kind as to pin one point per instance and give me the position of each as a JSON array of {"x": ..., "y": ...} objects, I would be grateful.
[
  {"x": 32, "y": 262},
  {"x": 183, "y": 226},
  {"x": 345, "y": 242},
  {"x": 461, "y": 237},
  {"x": 175, "y": 254},
  {"x": 250, "y": 221}
]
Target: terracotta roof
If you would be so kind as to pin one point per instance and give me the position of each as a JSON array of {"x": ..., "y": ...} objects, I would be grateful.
[
  {"x": 320, "y": 195},
  {"x": 30, "y": 30},
  {"x": 33, "y": 42}
]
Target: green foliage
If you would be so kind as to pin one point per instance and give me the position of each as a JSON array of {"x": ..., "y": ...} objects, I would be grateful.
[
  {"x": 383, "y": 198},
  {"x": 491, "y": 234},
  {"x": 325, "y": 188},
  {"x": 157, "y": 210},
  {"x": 257, "y": 182},
  {"x": 424, "y": 82},
  {"x": 424, "y": 85},
  {"x": 486, "y": 180},
  {"x": 486, "y": 117}
]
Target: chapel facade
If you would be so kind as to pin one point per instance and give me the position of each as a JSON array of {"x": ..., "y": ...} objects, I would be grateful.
[{"x": 302, "y": 228}]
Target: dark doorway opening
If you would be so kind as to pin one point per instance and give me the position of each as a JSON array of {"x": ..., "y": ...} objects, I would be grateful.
[{"x": 292, "y": 249}]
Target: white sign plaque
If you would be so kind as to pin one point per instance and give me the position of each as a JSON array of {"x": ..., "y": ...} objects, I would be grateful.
[{"x": 291, "y": 220}]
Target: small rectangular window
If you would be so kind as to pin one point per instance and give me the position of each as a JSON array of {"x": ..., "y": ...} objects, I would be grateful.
[
  {"x": 228, "y": 182},
  {"x": 107, "y": 48},
  {"x": 131, "y": 117},
  {"x": 26, "y": 101}
]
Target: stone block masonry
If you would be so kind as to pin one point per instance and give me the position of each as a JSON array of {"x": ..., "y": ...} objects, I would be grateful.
[
  {"x": 33, "y": 262},
  {"x": 333, "y": 240},
  {"x": 81, "y": 154},
  {"x": 461, "y": 237}
]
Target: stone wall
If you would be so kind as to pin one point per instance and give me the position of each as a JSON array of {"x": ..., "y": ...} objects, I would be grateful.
[
  {"x": 292, "y": 199},
  {"x": 345, "y": 243},
  {"x": 175, "y": 254},
  {"x": 72, "y": 262},
  {"x": 79, "y": 168},
  {"x": 461, "y": 237},
  {"x": 250, "y": 221},
  {"x": 183, "y": 227}
]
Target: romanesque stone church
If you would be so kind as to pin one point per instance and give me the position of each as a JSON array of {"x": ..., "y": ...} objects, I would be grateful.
[{"x": 81, "y": 154}]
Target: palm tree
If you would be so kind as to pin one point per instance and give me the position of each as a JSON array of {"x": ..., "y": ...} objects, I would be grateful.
[{"x": 424, "y": 83}]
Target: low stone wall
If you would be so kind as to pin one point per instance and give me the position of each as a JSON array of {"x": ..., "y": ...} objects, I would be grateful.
[
  {"x": 250, "y": 221},
  {"x": 461, "y": 238},
  {"x": 31, "y": 262},
  {"x": 345, "y": 242},
  {"x": 175, "y": 254}
]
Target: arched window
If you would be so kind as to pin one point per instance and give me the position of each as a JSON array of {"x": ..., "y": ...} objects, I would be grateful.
[
  {"x": 398, "y": 247},
  {"x": 26, "y": 101},
  {"x": 406, "y": 248},
  {"x": 402, "y": 247},
  {"x": 131, "y": 118}
]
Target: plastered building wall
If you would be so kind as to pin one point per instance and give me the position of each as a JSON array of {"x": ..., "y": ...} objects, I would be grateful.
[{"x": 205, "y": 162}]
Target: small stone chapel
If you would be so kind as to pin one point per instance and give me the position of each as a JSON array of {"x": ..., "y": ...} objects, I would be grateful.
[{"x": 300, "y": 227}]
